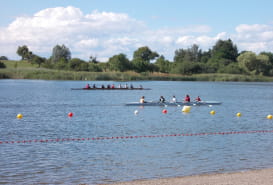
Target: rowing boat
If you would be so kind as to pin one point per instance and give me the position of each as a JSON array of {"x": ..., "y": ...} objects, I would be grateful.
[
  {"x": 99, "y": 88},
  {"x": 173, "y": 104}
]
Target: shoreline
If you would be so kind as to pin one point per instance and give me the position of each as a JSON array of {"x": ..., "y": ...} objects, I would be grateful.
[{"x": 250, "y": 177}]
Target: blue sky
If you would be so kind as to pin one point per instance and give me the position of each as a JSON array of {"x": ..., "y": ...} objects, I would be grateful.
[{"x": 103, "y": 28}]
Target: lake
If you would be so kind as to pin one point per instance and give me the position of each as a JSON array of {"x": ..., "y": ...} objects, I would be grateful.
[{"x": 78, "y": 157}]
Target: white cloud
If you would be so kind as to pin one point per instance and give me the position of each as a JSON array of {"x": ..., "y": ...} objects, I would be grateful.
[
  {"x": 87, "y": 43},
  {"x": 202, "y": 40},
  {"x": 256, "y": 37},
  {"x": 257, "y": 46},
  {"x": 243, "y": 28},
  {"x": 104, "y": 34},
  {"x": 185, "y": 40}
]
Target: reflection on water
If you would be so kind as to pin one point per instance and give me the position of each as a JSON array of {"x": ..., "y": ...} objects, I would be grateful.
[{"x": 45, "y": 105}]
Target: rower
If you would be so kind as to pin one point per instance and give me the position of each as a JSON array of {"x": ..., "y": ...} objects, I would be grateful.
[
  {"x": 142, "y": 100},
  {"x": 173, "y": 100},
  {"x": 187, "y": 98},
  {"x": 197, "y": 99},
  {"x": 161, "y": 99},
  {"x": 87, "y": 86}
]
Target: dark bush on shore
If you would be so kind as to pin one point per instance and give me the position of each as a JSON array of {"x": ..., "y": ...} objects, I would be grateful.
[{"x": 2, "y": 65}]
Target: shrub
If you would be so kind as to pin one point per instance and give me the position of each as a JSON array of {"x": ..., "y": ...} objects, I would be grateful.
[{"x": 2, "y": 65}]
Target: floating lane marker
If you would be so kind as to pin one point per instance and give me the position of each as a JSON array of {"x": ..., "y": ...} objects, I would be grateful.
[
  {"x": 164, "y": 111},
  {"x": 70, "y": 114},
  {"x": 186, "y": 109},
  {"x": 212, "y": 112},
  {"x": 238, "y": 114},
  {"x": 133, "y": 137},
  {"x": 19, "y": 116}
]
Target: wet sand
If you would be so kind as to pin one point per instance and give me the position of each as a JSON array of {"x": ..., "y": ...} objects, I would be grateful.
[{"x": 253, "y": 177}]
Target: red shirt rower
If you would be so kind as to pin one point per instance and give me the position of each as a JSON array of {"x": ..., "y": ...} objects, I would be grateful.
[{"x": 187, "y": 98}]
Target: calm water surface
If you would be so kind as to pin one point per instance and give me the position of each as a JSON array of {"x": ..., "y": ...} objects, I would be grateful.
[{"x": 45, "y": 105}]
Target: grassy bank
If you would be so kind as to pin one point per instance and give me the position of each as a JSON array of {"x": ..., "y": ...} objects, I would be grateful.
[{"x": 24, "y": 70}]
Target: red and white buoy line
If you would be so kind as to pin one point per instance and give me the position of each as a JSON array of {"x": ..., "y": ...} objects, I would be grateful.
[{"x": 132, "y": 137}]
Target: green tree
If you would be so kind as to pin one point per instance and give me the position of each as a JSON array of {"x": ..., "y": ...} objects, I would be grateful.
[
  {"x": 141, "y": 59},
  {"x": 205, "y": 56},
  {"x": 119, "y": 63},
  {"x": 24, "y": 52},
  {"x": 255, "y": 64},
  {"x": 93, "y": 59},
  {"x": 269, "y": 70},
  {"x": 192, "y": 54},
  {"x": 77, "y": 64},
  {"x": 163, "y": 64},
  {"x": 49, "y": 64},
  {"x": 4, "y": 58},
  {"x": 2, "y": 65},
  {"x": 179, "y": 55},
  {"x": 264, "y": 65},
  {"x": 84, "y": 66},
  {"x": 232, "y": 68},
  {"x": 145, "y": 54},
  {"x": 188, "y": 61},
  {"x": 248, "y": 61},
  {"x": 211, "y": 67},
  {"x": 95, "y": 67},
  {"x": 186, "y": 67},
  {"x": 103, "y": 66},
  {"x": 37, "y": 60},
  {"x": 60, "y": 52},
  {"x": 270, "y": 56},
  {"x": 224, "y": 49},
  {"x": 140, "y": 65},
  {"x": 61, "y": 65}
]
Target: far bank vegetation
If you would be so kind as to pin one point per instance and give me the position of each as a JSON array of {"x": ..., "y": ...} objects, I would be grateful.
[{"x": 222, "y": 62}]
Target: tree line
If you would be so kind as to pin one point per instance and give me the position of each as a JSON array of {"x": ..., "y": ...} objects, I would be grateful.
[{"x": 223, "y": 57}]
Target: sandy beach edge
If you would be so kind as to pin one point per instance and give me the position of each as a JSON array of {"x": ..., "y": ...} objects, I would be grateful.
[{"x": 250, "y": 177}]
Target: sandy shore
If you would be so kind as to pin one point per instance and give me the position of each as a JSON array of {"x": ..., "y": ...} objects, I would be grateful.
[{"x": 254, "y": 177}]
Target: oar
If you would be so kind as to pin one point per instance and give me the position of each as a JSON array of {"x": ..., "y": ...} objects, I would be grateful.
[
  {"x": 177, "y": 104},
  {"x": 163, "y": 104}
]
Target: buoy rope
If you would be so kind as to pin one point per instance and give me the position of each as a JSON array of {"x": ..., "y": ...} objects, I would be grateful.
[{"x": 134, "y": 137}]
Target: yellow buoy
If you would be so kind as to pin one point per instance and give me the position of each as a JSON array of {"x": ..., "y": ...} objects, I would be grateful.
[
  {"x": 269, "y": 116},
  {"x": 19, "y": 116},
  {"x": 186, "y": 109},
  {"x": 238, "y": 114},
  {"x": 212, "y": 112}
]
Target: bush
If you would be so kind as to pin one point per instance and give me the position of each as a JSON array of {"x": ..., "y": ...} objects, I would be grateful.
[
  {"x": 2, "y": 65},
  {"x": 94, "y": 68},
  {"x": 4, "y": 58},
  {"x": 232, "y": 68}
]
